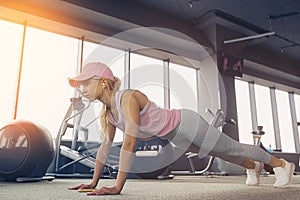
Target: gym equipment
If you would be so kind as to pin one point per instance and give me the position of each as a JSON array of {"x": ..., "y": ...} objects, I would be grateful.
[
  {"x": 153, "y": 159},
  {"x": 218, "y": 121},
  {"x": 26, "y": 151},
  {"x": 84, "y": 154},
  {"x": 257, "y": 135},
  {"x": 150, "y": 159}
]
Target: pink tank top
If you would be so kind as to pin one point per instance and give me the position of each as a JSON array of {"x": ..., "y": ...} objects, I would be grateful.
[{"x": 154, "y": 121}]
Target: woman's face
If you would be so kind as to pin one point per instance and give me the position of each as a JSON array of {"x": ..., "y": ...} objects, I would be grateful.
[{"x": 90, "y": 89}]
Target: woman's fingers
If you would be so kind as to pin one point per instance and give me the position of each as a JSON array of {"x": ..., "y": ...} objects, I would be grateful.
[
  {"x": 75, "y": 187},
  {"x": 104, "y": 191},
  {"x": 81, "y": 186}
]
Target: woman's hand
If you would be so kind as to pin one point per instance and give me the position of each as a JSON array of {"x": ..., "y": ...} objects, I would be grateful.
[
  {"x": 82, "y": 186},
  {"x": 106, "y": 190}
]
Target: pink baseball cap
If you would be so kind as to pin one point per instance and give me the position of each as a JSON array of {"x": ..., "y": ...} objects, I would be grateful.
[{"x": 89, "y": 71}]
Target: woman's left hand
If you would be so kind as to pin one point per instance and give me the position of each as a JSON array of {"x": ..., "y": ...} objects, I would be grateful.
[{"x": 105, "y": 190}]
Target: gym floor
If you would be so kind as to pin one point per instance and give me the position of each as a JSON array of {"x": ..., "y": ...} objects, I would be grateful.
[{"x": 181, "y": 187}]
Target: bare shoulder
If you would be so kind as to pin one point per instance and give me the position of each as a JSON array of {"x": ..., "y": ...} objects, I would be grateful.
[
  {"x": 134, "y": 96},
  {"x": 129, "y": 93}
]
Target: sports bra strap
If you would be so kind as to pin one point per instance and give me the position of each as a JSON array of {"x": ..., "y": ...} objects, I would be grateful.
[{"x": 118, "y": 104}]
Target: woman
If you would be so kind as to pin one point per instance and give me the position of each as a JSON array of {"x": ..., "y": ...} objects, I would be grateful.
[{"x": 138, "y": 117}]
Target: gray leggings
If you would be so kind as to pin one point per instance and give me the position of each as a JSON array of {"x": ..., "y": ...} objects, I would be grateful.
[{"x": 193, "y": 129}]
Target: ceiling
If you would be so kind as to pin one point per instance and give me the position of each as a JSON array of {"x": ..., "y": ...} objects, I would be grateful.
[
  {"x": 247, "y": 18},
  {"x": 280, "y": 16},
  {"x": 209, "y": 22}
]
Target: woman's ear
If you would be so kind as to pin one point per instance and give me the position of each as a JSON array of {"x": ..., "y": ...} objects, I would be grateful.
[{"x": 104, "y": 83}]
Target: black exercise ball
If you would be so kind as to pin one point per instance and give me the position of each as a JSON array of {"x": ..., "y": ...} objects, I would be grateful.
[{"x": 26, "y": 150}]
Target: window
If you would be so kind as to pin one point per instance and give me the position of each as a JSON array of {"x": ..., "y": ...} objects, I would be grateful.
[
  {"x": 264, "y": 114},
  {"x": 49, "y": 59},
  {"x": 10, "y": 51},
  {"x": 243, "y": 112},
  {"x": 146, "y": 75},
  {"x": 183, "y": 87},
  {"x": 285, "y": 122}
]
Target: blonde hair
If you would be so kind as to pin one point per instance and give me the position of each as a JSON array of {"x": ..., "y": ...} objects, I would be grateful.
[{"x": 114, "y": 86}]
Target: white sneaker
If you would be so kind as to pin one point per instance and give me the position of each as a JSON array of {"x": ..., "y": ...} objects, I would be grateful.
[
  {"x": 254, "y": 174},
  {"x": 284, "y": 175}
]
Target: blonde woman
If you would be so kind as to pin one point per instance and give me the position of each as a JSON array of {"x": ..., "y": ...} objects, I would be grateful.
[{"x": 138, "y": 117}]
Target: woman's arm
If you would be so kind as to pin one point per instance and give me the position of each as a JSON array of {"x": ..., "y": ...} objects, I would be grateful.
[
  {"x": 101, "y": 158},
  {"x": 102, "y": 154},
  {"x": 131, "y": 111}
]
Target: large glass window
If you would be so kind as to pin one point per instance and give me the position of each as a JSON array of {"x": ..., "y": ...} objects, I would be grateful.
[
  {"x": 49, "y": 59},
  {"x": 183, "y": 87},
  {"x": 146, "y": 75},
  {"x": 243, "y": 111},
  {"x": 285, "y": 122},
  {"x": 264, "y": 114},
  {"x": 10, "y": 51}
]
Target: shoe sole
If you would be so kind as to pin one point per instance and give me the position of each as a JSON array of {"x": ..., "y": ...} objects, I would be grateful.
[
  {"x": 292, "y": 169},
  {"x": 291, "y": 172}
]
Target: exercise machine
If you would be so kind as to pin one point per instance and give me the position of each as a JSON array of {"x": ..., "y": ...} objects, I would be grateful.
[{"x": 75, "y": 154}]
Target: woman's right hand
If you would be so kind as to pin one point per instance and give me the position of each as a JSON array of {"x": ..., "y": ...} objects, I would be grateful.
[{"x": 82, "y": 186}]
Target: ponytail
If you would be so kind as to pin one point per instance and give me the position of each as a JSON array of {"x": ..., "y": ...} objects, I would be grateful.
[{"x": 114, "y": 86}]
